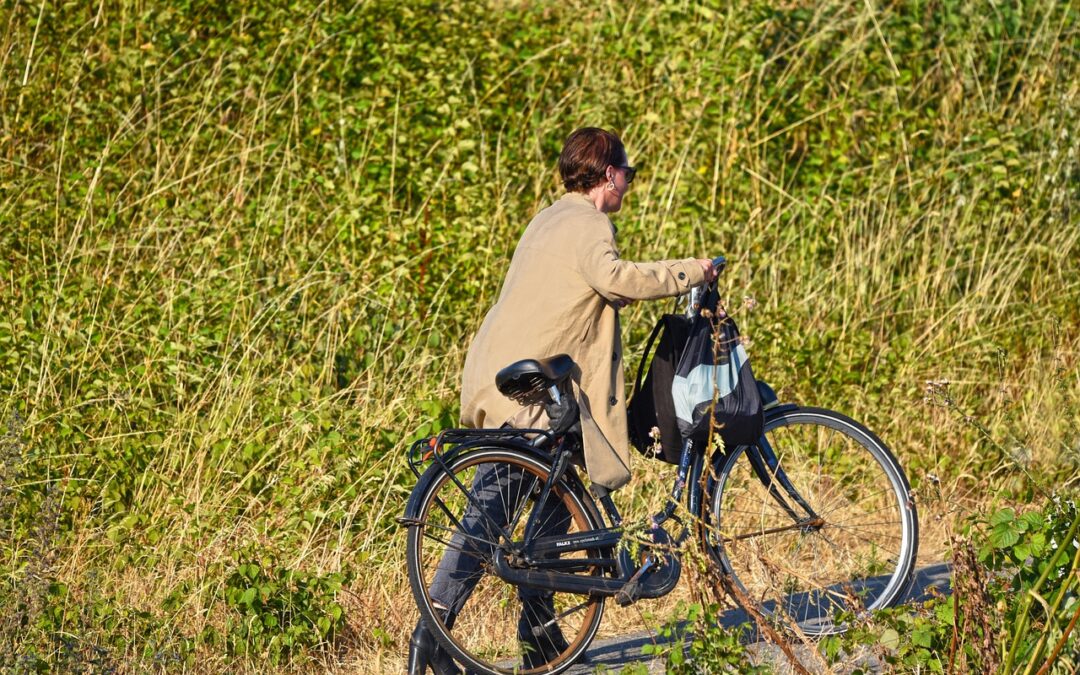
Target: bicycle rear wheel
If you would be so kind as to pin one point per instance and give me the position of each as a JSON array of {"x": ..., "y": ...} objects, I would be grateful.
[
  {"x": 854, "y": 549},
  {"x": 474, "y": 614}
]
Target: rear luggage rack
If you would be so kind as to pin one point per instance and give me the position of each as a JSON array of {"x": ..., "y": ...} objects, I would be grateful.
[{"x": 448, "y": 442}]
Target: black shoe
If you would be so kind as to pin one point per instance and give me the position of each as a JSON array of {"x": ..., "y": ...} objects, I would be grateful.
[
  {"x": 425, "y": 651},
  {"x": 541, "y": 638}
]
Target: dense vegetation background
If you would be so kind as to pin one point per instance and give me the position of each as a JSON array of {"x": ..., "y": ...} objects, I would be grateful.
[{"x": 244, "y": 246}]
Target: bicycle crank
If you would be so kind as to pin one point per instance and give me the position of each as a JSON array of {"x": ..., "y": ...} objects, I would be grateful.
[{"x": 658, "y": 574}]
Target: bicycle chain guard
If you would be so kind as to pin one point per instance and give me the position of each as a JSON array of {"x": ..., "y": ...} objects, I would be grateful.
[{"x": 656, "y": 576}]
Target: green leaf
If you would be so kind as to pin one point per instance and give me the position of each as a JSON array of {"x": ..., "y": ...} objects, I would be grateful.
[
  {"x": 831, "y": 647},
  {"x": 945, "y": 611},
  {"x": 1038, "y": 544},
  {"x": 1022, "y": 551},
  {"x": 922, "y": 636},
  {"x": 1003, "y": 516},
  {"x": 1033, "y": 520},
  {"x": 1004, "y": 535},
  {"x": 889, "y": 639}
]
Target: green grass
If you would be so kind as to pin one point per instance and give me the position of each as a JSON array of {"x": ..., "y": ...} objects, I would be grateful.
[{"x": 244, "y": 248}]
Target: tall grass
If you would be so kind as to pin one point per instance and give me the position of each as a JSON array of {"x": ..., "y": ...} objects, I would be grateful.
[{"x": 245, "y": 247}]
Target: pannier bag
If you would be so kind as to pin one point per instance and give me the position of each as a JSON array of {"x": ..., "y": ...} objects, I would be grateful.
[{"x": 693, "y": 361}]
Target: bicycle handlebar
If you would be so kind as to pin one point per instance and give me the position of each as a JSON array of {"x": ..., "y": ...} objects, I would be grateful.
[
  {"x": 719, "y": 262},
  {"x": 694, "y": 297}
]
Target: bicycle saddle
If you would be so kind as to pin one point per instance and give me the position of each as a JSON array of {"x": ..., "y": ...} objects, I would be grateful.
[{"x": 527, "y": 381}]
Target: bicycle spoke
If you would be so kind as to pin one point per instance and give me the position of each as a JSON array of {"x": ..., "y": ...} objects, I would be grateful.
[
  {"x": 485, "y": 521},
  {"x": 890, "y": 507},
  {"x": 843, "y": 553},
  {"x": 476, "y": 505},
  {"x": 774, "y": 508},
  {"x": 471, "y": 554},
  {"x": 449, "y": 560},
  {"x": 848, "y": 480},
  {"x": 776, "y": 512},
  {"x": 867, "y": 526},
  {"x": 446, "y": 511},
  {"x": 504, "y": 497},
  {"x": 428, "y": 526},
  {"x": 522, "y": 503},
  {"x": 862, "y": 499},
  {"x": 764, "y": 532},
  {"x": 511, "y": 504},
  {"x": 759, "y": 532},
  {"x": 871, "y": 542},
  {"x": 576, "y": 608},
  {"x": 546, "y": 527},
  {"x": 863, "y": 537}
]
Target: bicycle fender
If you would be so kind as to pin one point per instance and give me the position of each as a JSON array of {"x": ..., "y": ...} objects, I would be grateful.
[
  {"x": 412, "y": 507},
  {"x": 777, "y": 410}
]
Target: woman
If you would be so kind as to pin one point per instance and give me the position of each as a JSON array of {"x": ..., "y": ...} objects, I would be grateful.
[{"x": 562, "y": 295}]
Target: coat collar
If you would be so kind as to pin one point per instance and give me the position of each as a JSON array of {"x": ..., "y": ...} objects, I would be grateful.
[
  {"x": 582, "y": 198},
  {"x": 578, "y": 197}
]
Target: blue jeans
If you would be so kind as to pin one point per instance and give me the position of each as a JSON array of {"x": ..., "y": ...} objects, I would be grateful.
[{"x": 498, "y": 490}]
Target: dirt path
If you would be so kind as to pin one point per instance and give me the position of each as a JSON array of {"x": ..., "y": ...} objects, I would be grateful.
[{"x": 614, "y": 653}]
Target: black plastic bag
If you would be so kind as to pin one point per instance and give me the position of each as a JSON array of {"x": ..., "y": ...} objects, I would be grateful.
[{"x": 713, "y": 373}]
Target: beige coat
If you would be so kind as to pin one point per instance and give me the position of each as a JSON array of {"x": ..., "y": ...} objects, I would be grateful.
[{"x": 558, "y": 297}]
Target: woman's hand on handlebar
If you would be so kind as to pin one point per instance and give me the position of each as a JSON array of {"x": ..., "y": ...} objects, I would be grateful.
[{"x": 709, "y": 269}]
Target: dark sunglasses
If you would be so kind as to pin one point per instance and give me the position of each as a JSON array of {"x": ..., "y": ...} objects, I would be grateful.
[{"x": 630, "y": 173}]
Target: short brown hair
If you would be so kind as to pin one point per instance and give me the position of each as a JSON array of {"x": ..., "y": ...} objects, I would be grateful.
[{"x": 586, "y": 155}]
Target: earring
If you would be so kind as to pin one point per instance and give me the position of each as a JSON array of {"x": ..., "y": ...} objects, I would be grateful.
[{"x": 611, "y": 185}]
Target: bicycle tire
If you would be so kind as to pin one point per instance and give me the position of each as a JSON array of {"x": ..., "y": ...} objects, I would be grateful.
[
  {"x": 862, "y": 557},
  {"x": 483, "y": 635}
]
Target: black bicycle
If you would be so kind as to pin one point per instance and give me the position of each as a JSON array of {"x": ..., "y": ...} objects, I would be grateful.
[{"x": 813, "y": 520}]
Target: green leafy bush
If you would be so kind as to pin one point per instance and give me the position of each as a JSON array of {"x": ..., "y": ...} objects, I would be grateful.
[
  {"x": 694, "y": 641},
  {"x": 1013, "y": 608},
  {"x": 280, "y": 612}
]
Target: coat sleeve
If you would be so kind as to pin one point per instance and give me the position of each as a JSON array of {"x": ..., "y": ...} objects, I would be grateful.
[{"x": 615, "y": 279}]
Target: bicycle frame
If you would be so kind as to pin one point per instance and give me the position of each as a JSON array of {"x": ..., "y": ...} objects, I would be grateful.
[{"x": 533, "y": 560}]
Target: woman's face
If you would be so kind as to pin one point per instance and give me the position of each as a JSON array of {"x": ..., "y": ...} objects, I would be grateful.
[{"x": 620, "y": 178}]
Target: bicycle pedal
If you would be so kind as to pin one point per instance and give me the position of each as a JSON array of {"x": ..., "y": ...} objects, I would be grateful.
[{"x": 627, "y": 595}]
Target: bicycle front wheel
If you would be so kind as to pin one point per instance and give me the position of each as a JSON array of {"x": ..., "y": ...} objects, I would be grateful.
[
  {"x": 828, "y": 527},
  {"x": 467, "y": 512}
]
